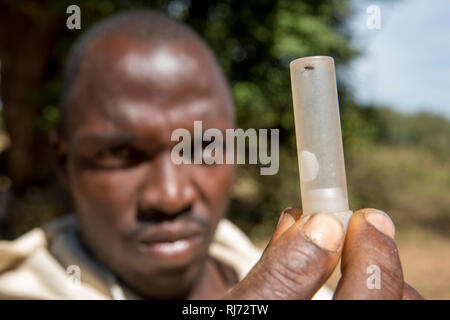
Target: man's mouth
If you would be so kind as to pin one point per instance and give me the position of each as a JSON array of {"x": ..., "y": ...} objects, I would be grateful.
[
  {"x": 171, "y": 250},
  {"x": 171, "y": 243}
]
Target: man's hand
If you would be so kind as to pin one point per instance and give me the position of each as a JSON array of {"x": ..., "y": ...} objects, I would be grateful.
[{"x": 304, "y": 251}]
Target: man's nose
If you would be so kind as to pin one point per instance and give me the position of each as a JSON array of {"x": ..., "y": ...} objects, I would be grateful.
[{"x": 168, "y": 189}]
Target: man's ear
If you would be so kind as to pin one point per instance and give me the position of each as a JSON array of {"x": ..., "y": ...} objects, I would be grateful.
[{"x": 60, "y": 149}]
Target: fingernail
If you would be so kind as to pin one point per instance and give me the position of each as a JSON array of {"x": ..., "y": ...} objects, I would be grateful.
[
  {"x": 325, "y": 231},
  {"x": 280, "y": 218},
  {"x": 289, "y": 215},
  {"x": 381, "y": 221}
]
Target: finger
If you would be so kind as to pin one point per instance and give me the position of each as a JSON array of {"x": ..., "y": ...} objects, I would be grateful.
[
  {"x": 297, "y": 263},
  {"x": 370, "y": 263},
  {"x": 409, "y": 293},
  {"x": 288, "y": 217}
]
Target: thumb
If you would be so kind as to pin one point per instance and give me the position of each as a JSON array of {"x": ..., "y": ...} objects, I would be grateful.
[
  {"x": 297, "y": 263},
  {"x": 371, "y": 267}
]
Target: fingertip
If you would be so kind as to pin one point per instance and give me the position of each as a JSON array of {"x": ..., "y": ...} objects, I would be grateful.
[
  {"x": 295, "y": 213},
  {"x": 287, "y": 218},
  {"x": 325, "y": 230},
  {"x": 380, "y": 220}
]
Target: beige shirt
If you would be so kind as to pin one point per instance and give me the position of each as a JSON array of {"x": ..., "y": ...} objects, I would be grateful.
[{"x": 50, "y": 263}]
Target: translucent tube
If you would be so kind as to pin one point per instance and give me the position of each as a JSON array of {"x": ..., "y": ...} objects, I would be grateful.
[{"x": 319, "y": 140}]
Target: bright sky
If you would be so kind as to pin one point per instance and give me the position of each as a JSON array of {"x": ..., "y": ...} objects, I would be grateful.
[{"x": 406, "y": 63}]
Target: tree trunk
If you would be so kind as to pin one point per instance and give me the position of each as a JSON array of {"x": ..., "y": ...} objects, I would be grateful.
[{"x": 28, "y": 29}]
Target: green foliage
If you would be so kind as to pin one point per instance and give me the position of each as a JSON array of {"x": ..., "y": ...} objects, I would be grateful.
[
  {"x": 410, "y": 183},
  {"x": 429, "y": 132},
  {"x": 49, "y": 118},
  {"x": 254, "y": 42}
]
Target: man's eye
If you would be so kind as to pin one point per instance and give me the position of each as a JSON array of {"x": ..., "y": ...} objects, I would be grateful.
[
  {"x": 116, "y": 157},
  {"x": 205, "y": 157},
  {"x": 120, "y": 153}
]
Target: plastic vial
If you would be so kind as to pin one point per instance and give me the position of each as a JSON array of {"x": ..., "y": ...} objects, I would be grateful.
[{"x": 319, "y": 140}]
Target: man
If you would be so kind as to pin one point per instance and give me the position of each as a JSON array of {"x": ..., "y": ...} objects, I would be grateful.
[{"x": 148, "y": 228}]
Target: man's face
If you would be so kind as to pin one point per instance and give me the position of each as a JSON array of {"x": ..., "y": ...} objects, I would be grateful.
[{"x": 145, "y": 218}]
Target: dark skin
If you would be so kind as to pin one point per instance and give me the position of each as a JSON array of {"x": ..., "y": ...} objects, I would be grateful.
[
  {"x": 116, "y": 161},
  {"x": 294, "y": 266}
]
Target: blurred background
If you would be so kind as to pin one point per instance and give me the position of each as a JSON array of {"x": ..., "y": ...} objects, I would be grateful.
[{"x": 394, "y": 92}]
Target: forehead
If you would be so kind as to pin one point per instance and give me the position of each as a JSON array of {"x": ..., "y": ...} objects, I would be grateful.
[{"x": 126, "y": 82}]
